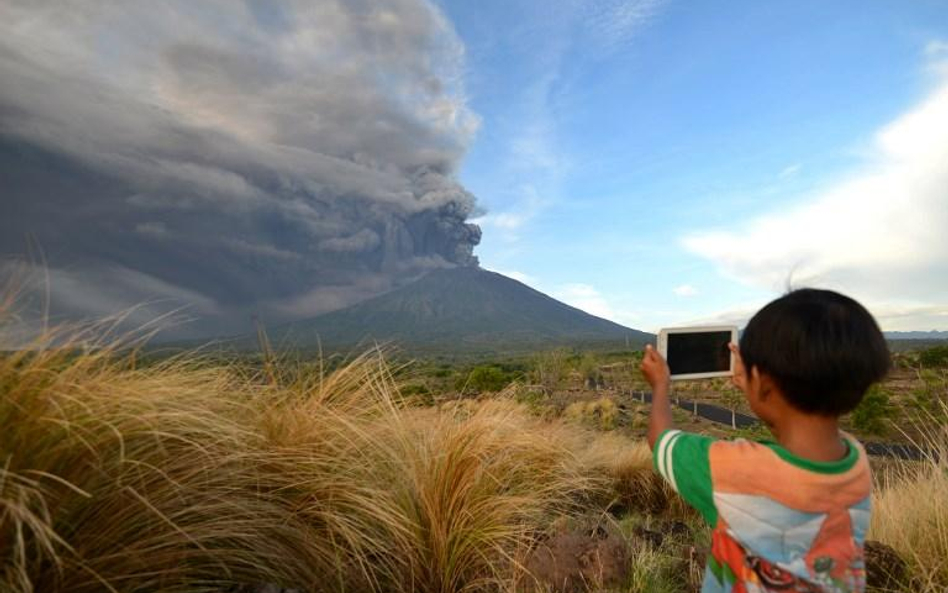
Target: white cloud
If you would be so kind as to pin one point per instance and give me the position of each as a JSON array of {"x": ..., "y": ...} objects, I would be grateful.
[
  {"x": 936, "y": 56},
  {"x": 909, "y": 317},
  {"x": 528, "y": 205},
  {"x": 509, "y": 221},
  {"x": 879, "y": 235},
  {"x": 586, "y": 298},
  {"x": 685, "y": 290},
  {"x": 738, "y": 315},
  {"x": 790, "y": 171},
  {"x": 936, "y": 47},
  {"x": 613, "y": 24}
]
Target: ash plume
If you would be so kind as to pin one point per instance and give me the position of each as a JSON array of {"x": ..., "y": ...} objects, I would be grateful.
[{"x": 276, "y": 158}]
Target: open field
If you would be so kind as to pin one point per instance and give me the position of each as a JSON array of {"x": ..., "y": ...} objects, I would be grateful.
[
  {"x": 195, "y": 474},
  {"x": 902, "y": 409}
]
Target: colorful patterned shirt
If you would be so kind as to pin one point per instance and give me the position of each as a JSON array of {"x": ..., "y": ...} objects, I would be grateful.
[{"x": 780, "y": 522}]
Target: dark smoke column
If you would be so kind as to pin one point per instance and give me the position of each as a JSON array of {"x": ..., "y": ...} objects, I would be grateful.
[{"x": 283, "y": 159}]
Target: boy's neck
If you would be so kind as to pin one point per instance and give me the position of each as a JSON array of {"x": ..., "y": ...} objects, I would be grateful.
[{"x": 809, "y": 436}]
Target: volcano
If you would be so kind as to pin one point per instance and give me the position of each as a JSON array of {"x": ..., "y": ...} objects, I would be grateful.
[{"x": 459, "y": 310}]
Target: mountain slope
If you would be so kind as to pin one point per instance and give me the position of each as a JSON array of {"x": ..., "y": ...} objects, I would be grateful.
[{"x": 459, "y": 309}]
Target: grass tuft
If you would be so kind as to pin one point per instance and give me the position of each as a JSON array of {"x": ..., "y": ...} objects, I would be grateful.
[{"x": 910, "y": 510}]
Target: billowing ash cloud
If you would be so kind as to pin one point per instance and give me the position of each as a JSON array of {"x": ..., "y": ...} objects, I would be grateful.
[{"x": 284, "y": 158}]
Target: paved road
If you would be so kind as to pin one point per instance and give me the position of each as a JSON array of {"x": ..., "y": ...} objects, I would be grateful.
[{"x": 738, "y": 420}]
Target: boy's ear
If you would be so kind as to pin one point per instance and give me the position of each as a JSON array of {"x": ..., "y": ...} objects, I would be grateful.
[
  {"x": 760, "y": 383},
  {"x": 763, "y": 381}
]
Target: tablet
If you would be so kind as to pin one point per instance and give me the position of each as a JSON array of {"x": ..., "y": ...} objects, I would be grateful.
[{"x": 698, "y": 352}]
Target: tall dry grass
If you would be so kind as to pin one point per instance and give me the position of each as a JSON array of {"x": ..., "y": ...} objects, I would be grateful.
[
  {"x": 191, "y": 476},
  {"x": 910, "y": 510},
  {"x": 123, "y": 479}
]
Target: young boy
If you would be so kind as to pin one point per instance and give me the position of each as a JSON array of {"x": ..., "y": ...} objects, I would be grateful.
[{"x": 788, "y": 515}]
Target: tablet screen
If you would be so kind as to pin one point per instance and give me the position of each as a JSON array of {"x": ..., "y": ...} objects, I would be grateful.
[{"x": 699, "y": 352}]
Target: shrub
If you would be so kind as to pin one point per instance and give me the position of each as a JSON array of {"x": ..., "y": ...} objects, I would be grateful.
[
  {"x": 934, "y": 357},
  {"x": 488, "y": 378},
  {"x": 872, "y": 411},
  {"x": 931, "y": 395},
  {"x": 418, "y": 393},
  {"x": 550, "y": 368},
  {"x": 588, "y": 367}
]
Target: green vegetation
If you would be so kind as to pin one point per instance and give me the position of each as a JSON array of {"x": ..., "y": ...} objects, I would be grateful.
[
  {"x": 874, "y": 409},
  {"x": 487, "y": 378},
  {"x": 929, "y": 396},
  {"x": 936, "y": 357},
  {"x": 588, "y": 368},
  {"x": 416, "y": 393}
]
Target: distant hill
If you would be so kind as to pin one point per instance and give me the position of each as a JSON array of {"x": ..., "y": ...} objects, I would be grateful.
[
  {"x": 458, "y": 310},
  {"x": 917, "y": 335}
]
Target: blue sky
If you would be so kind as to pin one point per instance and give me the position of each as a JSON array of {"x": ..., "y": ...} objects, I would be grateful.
[{"x": 661, "y": 162}]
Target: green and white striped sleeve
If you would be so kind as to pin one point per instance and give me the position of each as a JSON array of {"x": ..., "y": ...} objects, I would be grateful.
[{"x": 682, "y": 459}]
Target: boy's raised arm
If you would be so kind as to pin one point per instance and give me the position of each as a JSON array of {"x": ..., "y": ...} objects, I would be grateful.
[{"x": 657, "y": 374}]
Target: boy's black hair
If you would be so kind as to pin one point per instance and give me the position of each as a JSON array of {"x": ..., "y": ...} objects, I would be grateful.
[{"x": 821, "y": 348}]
